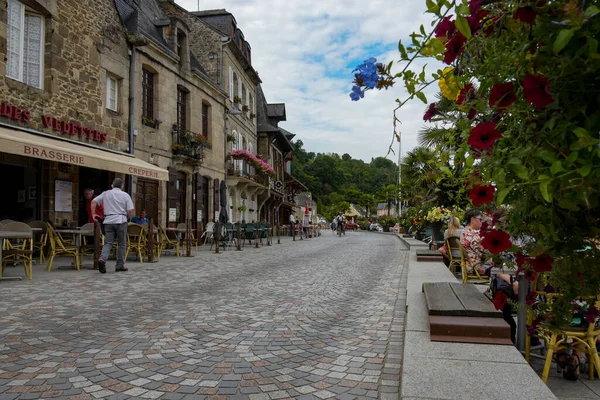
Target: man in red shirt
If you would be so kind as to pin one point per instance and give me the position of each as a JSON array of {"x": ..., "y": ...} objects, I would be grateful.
[{"x": 89, "y": 195}]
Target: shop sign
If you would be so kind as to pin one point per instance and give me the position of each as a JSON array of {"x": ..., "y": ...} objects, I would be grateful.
[{"x": 70, "y": 128}]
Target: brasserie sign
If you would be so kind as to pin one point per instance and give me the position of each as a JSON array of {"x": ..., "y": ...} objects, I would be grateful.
[{"x": 68, "y": 128}]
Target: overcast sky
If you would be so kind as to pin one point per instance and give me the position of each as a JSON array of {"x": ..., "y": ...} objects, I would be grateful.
[{"x": 305, "y": 51}]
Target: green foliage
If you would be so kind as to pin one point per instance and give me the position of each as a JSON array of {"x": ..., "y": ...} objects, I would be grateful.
[{"x": 545, "y": 167}]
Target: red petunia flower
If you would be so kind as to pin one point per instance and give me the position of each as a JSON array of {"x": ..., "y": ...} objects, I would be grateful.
[
  {"x": 454, "y": 47},
  {"x": 530, "y": 275},
  {"x": 521, "y": 259},
  {"x": 446, "y": 28},
  {"x": 430, "y": 113},
  {"x": 496, "y": 241},
  {"x": 483, "y": 136},
  {"x": 591, "y": 315},
  {"x": 482, "y": 194},
  {"x": 526, "y": 14},
  {"x": 542, "y": 263},
  {"x": 500, "y": 300},
  {"x": 472, "y": 113},
  {"x": 466, "y": 93},
  {"x": 530, "y": 298},
  {"x": 502, "y": 95},
  {"x": 536, "y": 90}
]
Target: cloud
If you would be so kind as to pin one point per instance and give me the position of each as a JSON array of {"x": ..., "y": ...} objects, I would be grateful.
[{"x": 305, "y": 51}]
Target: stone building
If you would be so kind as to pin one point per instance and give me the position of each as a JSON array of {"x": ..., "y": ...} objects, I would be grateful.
[
  {"x": 64, "y": 78},
  {"x": 179, "y": 113}
]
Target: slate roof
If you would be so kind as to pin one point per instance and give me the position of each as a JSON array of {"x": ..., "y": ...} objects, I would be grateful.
[
  {"x": 277, "y": 111},
  {"x": 263, "y": 124},
  {"x": 139, "y": 17},
  {"x": 381, "y": 206}
]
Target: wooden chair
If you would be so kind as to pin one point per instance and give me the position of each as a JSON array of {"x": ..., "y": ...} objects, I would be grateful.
[
  {"x": 136, "y": 241},
  {"x": 453, "y": 244},
  {"x": 582, "y": 339},
  {"x": 473, "y": 276},
  {"x": 167, "y": 243},
  {"x": 21, "y": 250},
  {"x": 41, "y": 238},
  {"x": 59, "y": 248}
]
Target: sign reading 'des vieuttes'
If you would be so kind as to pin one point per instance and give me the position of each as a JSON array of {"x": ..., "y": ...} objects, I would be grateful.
[{"x": 71, "y": 128}]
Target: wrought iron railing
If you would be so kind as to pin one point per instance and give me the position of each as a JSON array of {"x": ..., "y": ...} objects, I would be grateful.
[
  {"x": 188, "y": 143},
  {"x": 243, "y": 169}
]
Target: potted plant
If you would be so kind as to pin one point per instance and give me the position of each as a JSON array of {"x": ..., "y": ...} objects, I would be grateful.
[
  {"x": 177, "y": 148},
  {"x": 231, "y": 138},
  {"x": 236, "y": 99},
  {"x": 242, "y": 208},
  {"x": 252, "y": 115},
  {"x": 245, "y": 108}
]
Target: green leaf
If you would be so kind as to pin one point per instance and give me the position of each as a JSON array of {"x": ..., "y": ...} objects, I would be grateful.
[
  {"x": 463, "y": 9},
  {"x": 446, "y": 170},
  {"x": 581, "y": 133},
  {"x": 463, "y": 26},
  {"x": 585, "y": 170},
  {"x": 470, "y": 160},
  {"x": 592, "y": 45},
  {"x": 544, "y": 190},
  {"x": 571, "y": 159},
  {"x": 563, "y": 38},
  {"x": 421, "y": 97},
  {"x": 402, "y": 50},
  {"x": 591, "y": 11},
  {"x": 502, "y": 194},
  {"x": 568, "y": 204},
  {"x": 422, "y": 30},
  {"x": 556, "y": 167},
  {"x": 520, "y": 170}
]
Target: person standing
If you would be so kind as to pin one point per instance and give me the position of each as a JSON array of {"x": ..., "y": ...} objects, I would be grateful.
[
  {"x": 118, "y": 207},
  {"x": 88, "y": 194},
  {"x": 292, "y": 223}
]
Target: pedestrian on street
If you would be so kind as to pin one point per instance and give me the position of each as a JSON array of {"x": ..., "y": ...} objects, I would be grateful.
[
  {"x": 118, "y": 207},
  {"x": 292, "y": 223}
]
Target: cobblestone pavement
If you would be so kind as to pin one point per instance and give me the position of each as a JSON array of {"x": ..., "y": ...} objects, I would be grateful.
[{"x": 315, "y": 319}]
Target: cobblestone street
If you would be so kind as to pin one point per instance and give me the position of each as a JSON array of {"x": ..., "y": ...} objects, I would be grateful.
[{"x": 319, "y": 318}]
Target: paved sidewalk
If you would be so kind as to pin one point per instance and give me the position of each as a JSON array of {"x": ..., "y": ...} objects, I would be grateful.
[{"x": 315, "y": 319}]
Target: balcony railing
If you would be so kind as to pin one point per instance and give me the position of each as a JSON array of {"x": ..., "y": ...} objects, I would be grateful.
[
  {"x": 188, "y": 143},
  {"x": 243, "y": 169}
]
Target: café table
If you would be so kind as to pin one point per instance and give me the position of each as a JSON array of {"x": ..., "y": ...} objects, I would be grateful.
[
  {"x": 12, "y": 235},
  {"x": 178, "y": 232},
  {"x": 76, "y": 232}
]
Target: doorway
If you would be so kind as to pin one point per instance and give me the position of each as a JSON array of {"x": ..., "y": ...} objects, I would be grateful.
[
  {"x": 96, "y": 179},
  {"x": 146, "y": 198},
  {"x": 19, "y": 200},
  {"x": 180, "y": 187}
]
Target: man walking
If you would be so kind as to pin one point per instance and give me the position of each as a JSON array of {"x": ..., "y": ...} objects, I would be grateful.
[
  {"x": 118, "y": 207},
  {"x": 292, "y": 223}
]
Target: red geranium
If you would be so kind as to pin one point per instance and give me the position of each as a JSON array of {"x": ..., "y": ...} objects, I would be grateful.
[
  {"x": 526, "y": 14},
  {"x": 542, "y": 263},
  {"x": 496, "y": 241},
  {"x": 536, "y": 90},
  {"x": 482, "y": 194},
  {"x": 466, "y": 93},
  {"x": 454, "y": 48},
  {"x": 502, "y": 95},
  {"x": 483, "y": 136},
  {"x": 445, "y": 28},
  {"x": 431, "y": 111}
]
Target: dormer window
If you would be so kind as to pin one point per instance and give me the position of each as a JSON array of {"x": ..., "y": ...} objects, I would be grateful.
[{"x": 181, "y": 47}]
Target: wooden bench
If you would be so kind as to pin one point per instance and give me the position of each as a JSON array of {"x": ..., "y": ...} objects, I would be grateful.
[
  {"x": 429, "y": 255},
  {"x": 461, "y": 313}
]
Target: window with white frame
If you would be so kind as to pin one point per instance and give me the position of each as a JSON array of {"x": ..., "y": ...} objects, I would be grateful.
[
  {"x": 25, "y": 45},
  {"x": 112, "y": 93}
]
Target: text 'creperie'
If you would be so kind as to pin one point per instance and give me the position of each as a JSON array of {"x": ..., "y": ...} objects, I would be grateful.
[
  {"x": 143, "y": 172},
  {"x": 53, "y": 155}
]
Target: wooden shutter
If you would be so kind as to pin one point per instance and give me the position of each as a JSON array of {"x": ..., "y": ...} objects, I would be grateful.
[
  {"x": 171, "y": 193},
  {"x": 231, "y": 88},
  {"x": 217, "y": 195}
]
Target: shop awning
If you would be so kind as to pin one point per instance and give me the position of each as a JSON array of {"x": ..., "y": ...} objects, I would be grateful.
[{"x": 46, "y": 148}]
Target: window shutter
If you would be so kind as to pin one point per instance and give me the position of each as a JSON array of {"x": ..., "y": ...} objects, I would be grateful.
[
  {"x": 15, "y": 25},
  {"x": 171, "y": 191},
  {"x": 240, "y": 92},
  {"x": 32, "y": 64},
  {"x": 231, "y": 89},
  {"x": 217, "y": 195},
  {"x": 248, "y": 102}
]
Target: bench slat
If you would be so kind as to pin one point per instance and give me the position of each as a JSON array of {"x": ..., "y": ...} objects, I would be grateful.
[
  {"x": 442, "y": 300},
  {"x": 476, "y": 304}
]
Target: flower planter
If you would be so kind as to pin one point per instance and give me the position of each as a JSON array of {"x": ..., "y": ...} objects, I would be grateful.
[{"x": 436, "y": 231}]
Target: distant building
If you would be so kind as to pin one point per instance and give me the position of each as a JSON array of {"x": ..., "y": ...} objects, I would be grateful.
[{"x": 382, "y": 209}]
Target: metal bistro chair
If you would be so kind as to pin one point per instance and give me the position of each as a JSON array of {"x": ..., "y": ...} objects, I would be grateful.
[
  {"x": 208, "y": 233},
  {"x": 263, "y": 232},
  {"x": 136, "y": 241},
  {"x": 192, "y": 238},
  {"x": 22, "y": 250},
  {"x": 87, "y": 230},
  {"x": 250, "y": 233},
  {"x": 58, "y": 247}
]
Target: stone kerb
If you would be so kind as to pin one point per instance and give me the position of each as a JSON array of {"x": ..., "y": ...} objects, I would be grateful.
[{"x": 462, "y": 371}]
